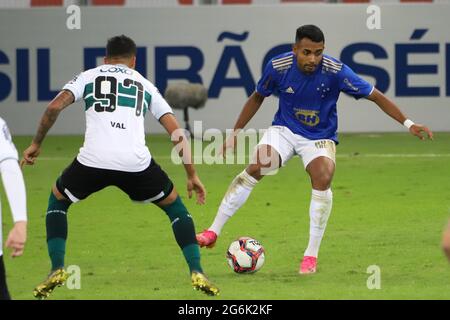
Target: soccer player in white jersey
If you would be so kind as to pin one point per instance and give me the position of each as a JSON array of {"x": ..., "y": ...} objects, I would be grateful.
[
  {"x": 308, "y": 84},
  {"x": 114, "y": 153},
  {"x": 15, "y": 190}
]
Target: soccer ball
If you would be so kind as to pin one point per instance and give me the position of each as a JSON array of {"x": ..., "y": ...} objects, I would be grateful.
[{"x": 245, "y": 255}]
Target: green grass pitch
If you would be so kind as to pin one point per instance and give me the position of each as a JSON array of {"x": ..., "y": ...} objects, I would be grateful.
[{"x": 391, "y": 203}]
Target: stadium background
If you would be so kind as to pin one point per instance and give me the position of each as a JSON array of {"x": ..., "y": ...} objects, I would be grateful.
[
  {"x": 391, "y": 190},
  {"x": 408, "y": 58}
]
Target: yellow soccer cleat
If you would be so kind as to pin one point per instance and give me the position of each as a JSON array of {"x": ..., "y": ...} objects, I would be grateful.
[
  {"x": 201, "y": 282},
  {"x": 56, "y": 279}
]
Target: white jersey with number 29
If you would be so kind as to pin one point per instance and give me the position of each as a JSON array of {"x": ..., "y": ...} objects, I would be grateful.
[{"x": 116, "y": 101}]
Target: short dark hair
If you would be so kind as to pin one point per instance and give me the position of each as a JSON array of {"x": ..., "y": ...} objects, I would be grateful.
[
  {"x": 311, "y": 32},
  {"x": 120, "y": 46}
]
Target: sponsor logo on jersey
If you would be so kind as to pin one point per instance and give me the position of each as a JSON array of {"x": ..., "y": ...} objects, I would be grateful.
[
  {"x": 307, "y": 117},
  {"x": 289, "y": 90},
  {"x": 350, "y": 85},
  {"x": 116, "y": 70}
]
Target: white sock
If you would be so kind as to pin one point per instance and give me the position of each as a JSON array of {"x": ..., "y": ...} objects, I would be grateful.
[
  {"x": 319, "y": 212},
  {"x": 236, "y": 195}
]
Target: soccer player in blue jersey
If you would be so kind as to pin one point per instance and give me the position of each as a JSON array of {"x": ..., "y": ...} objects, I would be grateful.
[{"x": 308, "y": 84}]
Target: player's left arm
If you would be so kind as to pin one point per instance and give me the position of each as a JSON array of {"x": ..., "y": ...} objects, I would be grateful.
[
  {"x": 391, "y": 109},
  {"x": 182, "y": 145},
  {"x": 15, "y": 190},
  {"x": 14, "y": 186},
  {"x": 61, "y": 101}
]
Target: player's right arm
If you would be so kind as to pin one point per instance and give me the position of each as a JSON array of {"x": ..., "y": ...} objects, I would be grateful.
[
  {"x": 71, "y": 92},
  {"x": 61, "y": 101},
  {"x": 248, "y": 111},
  {"x": 265, "y": 87},
  {"x": 169, "y": 122}
]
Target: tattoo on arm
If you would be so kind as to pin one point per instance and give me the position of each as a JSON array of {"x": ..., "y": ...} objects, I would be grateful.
[{"x": 61, "y": 101}]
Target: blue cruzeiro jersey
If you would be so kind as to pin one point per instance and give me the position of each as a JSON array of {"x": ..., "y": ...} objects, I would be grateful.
[{"x": 307, "y": 103}]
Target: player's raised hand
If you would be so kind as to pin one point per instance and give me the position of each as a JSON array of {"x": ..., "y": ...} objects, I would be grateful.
[
  {"x": 30, "y": 154},
  {"x": 418, "y": 130},
  {"x": 195, "y": 184},
  {"x": 17, "y": 238}
]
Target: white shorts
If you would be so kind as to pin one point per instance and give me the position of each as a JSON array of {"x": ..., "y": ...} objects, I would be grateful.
[{"x": 288, "y": 144}]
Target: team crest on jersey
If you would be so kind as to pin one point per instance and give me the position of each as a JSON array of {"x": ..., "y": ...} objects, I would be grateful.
[{"x": 307, "y": 117}]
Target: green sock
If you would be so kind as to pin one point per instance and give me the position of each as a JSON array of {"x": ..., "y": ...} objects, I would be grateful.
[
  {"x": 184, "y": 231},
  {"x": 56, "y": 223}
]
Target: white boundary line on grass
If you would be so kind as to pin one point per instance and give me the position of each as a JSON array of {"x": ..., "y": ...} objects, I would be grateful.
[
  {"x": 395, "y": 155},
  {"x": 346, "y": 155}
]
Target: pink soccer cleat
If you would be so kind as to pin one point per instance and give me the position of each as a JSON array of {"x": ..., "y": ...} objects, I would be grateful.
[
  {"x": 308, "y": 265},
  {"x": 206, "y": 239}
]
